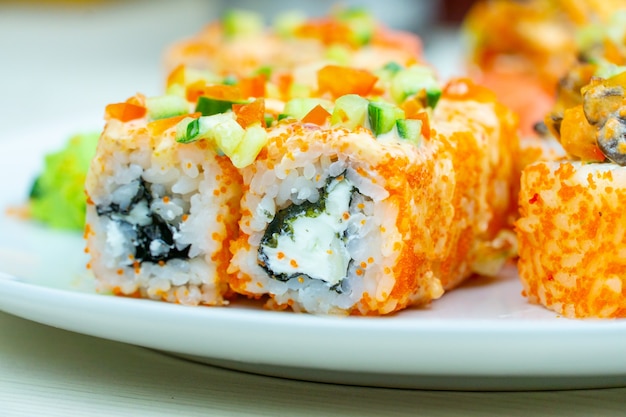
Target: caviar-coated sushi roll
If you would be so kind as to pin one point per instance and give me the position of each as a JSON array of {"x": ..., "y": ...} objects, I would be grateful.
[
  {"x": 367, "y": 206},
  {"x": 163, "y": 201},
  {"x": 241, "y": 43},
  {"x": 338, "y": 221},
  {"x": 572, "y": 240},
  {"x": 571, "y": 226},
  {"x": 483, "y": 144}
]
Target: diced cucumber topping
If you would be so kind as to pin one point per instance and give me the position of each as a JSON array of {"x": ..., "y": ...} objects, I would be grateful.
[
  {"x": 271, "y": 90},
  {"x": 392, "y": 67},
  {"x": 228, "y": 134},
  {"x": 230, "y": 80},
  {"x": 241, "y": 145},
  {"x": 608, "y": 70},
  {"x": 176, "y": 90},
  {"x": 386, "y": 73},
  {"x": 190, "y": 129},
  {"x": 300, "y": 107},
  {"x": 210, "y": 106},
  {"x": 412, "y": 80},
  {"x": 410, "y": 130},
  {"x": 338, "y": 54},
  {"x": 166, "y": 106},
  {"x": 360, "y": 22},
  {"x": 383, "y": 116},
  {"x": 253, "y": 141},
  {"x": 242, "y": 23},
  {"x": 286, "y": 23},
  {"x": 432, "y": 97},
  {"x": 265, "y": 70},
  {"x": 350, "y": 111},
  {"x": 298, "y": 90}
]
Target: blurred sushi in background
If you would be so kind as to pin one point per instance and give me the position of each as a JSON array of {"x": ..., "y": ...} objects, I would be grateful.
[
  {"x": 522, "y": 50},
  {"x": 241, "y": 43}
]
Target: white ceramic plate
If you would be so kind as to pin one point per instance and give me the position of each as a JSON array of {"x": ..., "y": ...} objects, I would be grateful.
[{"x": 483, "y": 336}]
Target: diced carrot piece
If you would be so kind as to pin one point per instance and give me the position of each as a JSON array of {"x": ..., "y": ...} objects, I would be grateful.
[
  {"x": 318, "y": 115},
  {"x": 195, "y": 90},
  {"x": 250, "y": 113},
  {"x": 157, "y": 127},
  {"x": 340, "y": 81},
  {"x": 412, "y": 106},
  {"x": 177, "y": 76},
  {"x": 124, "y": 112},
  {"x": 223, "y": 92},
  {"x": 252, "y": 86},
  {"x": 284, "y": 82},
  {"x": 138, "y": 100}
]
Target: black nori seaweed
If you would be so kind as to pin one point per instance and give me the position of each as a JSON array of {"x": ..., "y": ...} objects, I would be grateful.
[
  {"x": 282, "y": 224},
  {"x": 158, "y": 230},
  {"x": 143, "y": 235}
]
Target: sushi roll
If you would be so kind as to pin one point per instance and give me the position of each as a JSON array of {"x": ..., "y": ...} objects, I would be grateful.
[
  {"x": 367, "y": 206},
  {"x": 163, "y": 201},
  {"x": 241, "y": 44},
  {"x": 336, "y": 221},
  {"x": 483, "y": 144},
  {"x": 571, "y": 226},
  {"x": 538, "y": 43}
]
